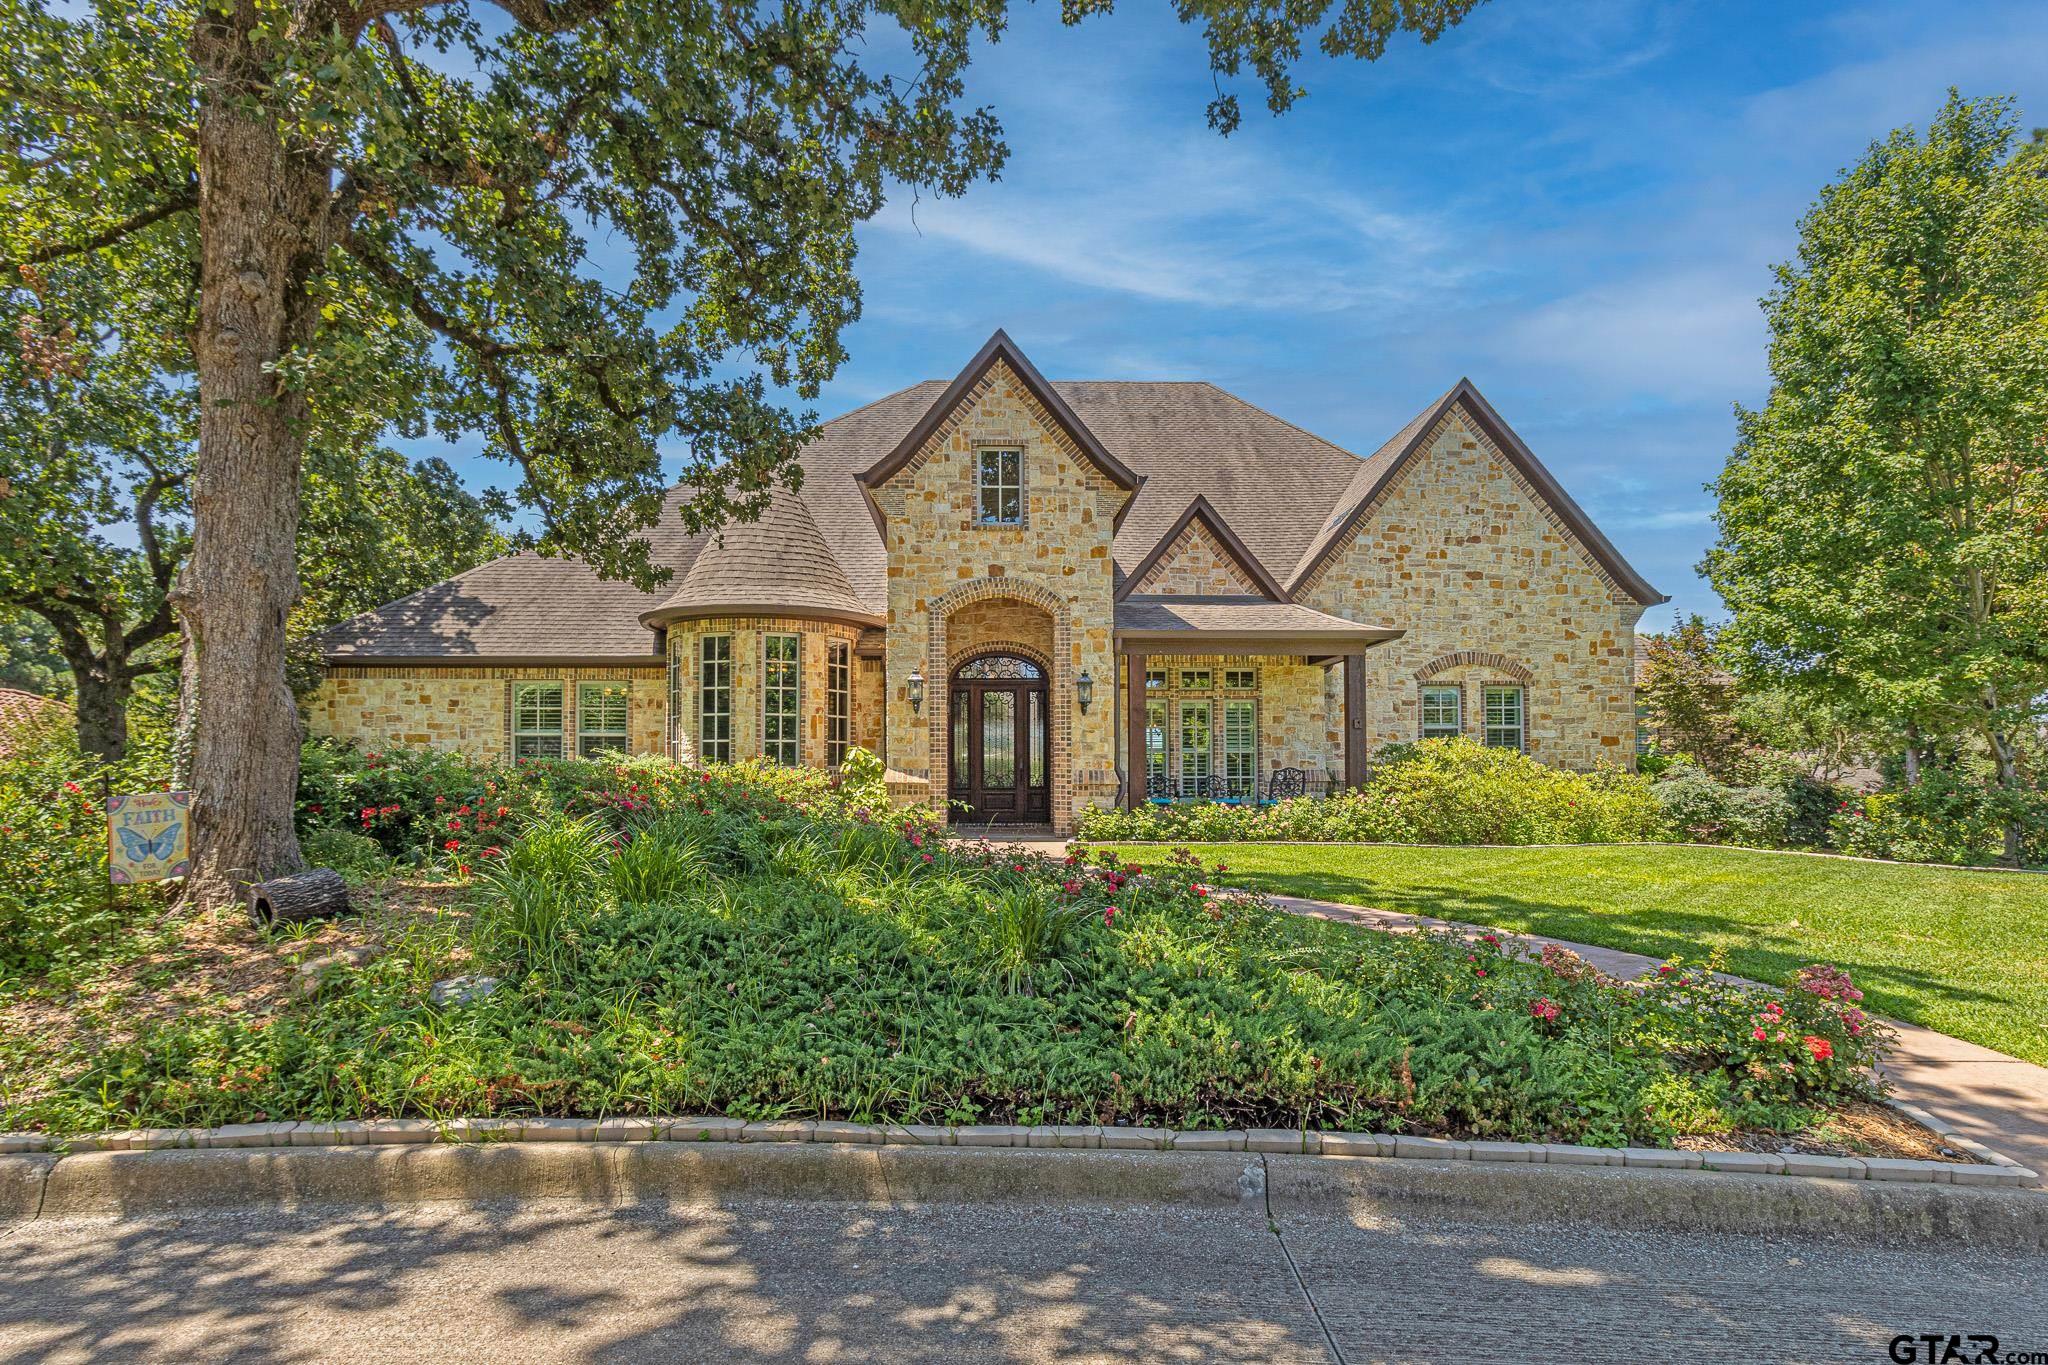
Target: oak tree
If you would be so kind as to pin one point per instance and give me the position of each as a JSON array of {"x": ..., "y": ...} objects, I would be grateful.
[{"x": 618, "y": 220}]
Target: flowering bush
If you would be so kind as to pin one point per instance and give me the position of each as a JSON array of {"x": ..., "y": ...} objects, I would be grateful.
[
  {"x": 1441, "y": 791},
  {"x": 1944, "y": 818}
]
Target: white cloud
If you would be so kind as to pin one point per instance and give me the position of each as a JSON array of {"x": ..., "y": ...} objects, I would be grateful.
[{"x": 1687, "y": 335}]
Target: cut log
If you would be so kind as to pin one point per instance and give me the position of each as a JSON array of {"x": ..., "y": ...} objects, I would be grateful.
[{"x": 306, "y": 895}]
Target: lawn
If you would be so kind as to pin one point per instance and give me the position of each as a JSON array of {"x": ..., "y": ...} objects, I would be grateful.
[{"x": 1964, "y": 952}]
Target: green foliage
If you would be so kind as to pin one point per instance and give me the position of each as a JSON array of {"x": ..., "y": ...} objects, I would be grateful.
[
  {"x": 1441, "y": 791},
  {"x": 357, "y": 857},
  {"x": 58, "y": 913},
  {"x": 1946, "y": 817},
  {"x": 1881, "y": 515},
  {"x": 659, "y": 862},
  {"x": 1688, "y": 697},
  {"x": 1702, "y": 809},
  {"x": 877, "y": 974},
  {"x": 29, "y": 658}
]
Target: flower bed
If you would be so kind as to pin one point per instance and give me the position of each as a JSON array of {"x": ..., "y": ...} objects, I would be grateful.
[{"x": 761, "y": 946}]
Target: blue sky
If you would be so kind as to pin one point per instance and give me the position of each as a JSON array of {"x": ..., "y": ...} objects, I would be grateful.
[{"x": 1576, "y": 205}]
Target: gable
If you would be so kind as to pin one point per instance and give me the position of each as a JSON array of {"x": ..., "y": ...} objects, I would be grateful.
[
  {"x": 1200, "y": 556},
  {"x": 1197, "y": 564},
  {"x": 1464, "y": 419},
  {"x": 999, "y": 368},
  {"x": 1460, "y": 513}
]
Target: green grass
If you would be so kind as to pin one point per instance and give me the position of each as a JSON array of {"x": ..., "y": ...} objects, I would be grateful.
[{"x": 1963, "y": 952}]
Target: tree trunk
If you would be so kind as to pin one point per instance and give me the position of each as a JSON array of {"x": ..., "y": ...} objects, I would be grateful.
[
  {"x": 259, "y": 201},
  {"x": 102, "y": 708}
]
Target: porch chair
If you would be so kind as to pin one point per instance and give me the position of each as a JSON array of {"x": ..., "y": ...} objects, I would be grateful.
[{"x": 1285, "y": 783}]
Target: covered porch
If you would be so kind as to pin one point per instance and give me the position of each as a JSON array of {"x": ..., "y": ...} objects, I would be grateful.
[{"x": 1239, "y": 700}]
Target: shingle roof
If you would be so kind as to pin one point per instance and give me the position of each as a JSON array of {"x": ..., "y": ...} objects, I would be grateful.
[
  {"x": 1241, "y": 618},
  {"x": 1288, "y": 497},
  {"x": 18, "y": 710}
]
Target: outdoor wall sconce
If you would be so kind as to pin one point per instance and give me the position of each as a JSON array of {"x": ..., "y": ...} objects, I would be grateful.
[
  {"x": 916, "y": 691},
  {"x": 1084, "y": 690}
]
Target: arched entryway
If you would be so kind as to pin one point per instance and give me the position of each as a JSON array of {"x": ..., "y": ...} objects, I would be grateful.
[{"x": 999, "y": 745}]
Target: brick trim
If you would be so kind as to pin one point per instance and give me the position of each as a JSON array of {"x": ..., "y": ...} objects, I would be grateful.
[
  {"x": 938, "y": 672},
  {"x": 1469, "y": 658}
]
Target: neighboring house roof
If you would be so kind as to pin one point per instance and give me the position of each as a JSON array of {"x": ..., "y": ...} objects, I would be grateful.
[
  {"x": 1277, "y": 498},
  {"x": 19, "y": 710}
]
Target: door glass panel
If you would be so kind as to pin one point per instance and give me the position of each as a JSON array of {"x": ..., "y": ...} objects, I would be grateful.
[
  {"x": 960, "y": 738},
  {"x": 998, "y": 739},
  {"x": 1037, "y": 739},
  {"x": 1194, "y": 748}
]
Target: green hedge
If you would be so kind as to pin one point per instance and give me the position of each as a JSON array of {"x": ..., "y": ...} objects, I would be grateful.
[{"x": 1441, "y": 791}]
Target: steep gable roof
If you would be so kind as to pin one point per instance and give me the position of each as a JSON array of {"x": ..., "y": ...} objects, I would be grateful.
[
  {"x": 1199, "y": 512},
  {"x": 997, "y": 349},
  {"x": 1379, "y": 471}
]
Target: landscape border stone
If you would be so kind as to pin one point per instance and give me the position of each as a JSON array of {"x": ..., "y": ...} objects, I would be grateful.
[{"x": 1995, "y": 1169}]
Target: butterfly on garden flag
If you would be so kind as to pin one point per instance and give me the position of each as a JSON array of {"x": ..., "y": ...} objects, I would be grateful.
[{"x": 144, "y": 849}]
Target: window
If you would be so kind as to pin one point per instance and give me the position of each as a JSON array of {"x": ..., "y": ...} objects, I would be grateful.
[
  {"x": 1241, "y": 749},
  {"x": 838, "y": 700},
  {"x": 1155, "y": 678},
  {"x": 1504, "y": 717},
  {"x": 779, "y": 715},
  {"x": 999, "y": 487},
  {"x": 600, "y": 718},
  {"x": 537, "y": 720},
  {"x": 1442, "y": 712},
  {"x": 1241, "y": 679},
  {"x": 1194, "y": 748},
  {"x": 675, "y": 703},
  {"x": 1197, "y": 679},
  {"x": 1000, "y": 666},
  {"x": 960, "y": 755},
  {"x": 714, "y": 699},
  {"x": 1155, "y": 748}
]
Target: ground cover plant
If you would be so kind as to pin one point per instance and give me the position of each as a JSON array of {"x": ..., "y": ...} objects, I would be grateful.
[
  {"x": 761, "y": 944},
  {"x": 1958, "y": 950}
]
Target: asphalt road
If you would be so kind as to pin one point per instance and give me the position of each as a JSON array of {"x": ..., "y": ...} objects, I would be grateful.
[{"x": 761, "y": 1281}]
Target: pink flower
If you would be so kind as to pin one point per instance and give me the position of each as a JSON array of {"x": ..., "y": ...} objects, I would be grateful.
[
  {"x": 1821, "y": 1048},
  {"x": 1757, "y": 1034},
  {"x": 1544, "y": 1008},
  {"x": 1108, "y": 914}
]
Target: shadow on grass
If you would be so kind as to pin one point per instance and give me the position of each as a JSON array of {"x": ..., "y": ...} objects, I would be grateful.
[{"x": 1756, "y": 952}]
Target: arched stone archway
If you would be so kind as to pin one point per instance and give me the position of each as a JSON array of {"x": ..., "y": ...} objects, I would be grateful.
[{"x": 1054, "y": 648}]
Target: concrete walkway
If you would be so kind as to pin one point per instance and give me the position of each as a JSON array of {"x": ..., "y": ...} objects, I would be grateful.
[{"x": 1994, "y": 1099}]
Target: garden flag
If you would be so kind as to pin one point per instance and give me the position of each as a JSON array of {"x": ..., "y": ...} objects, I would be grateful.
[{"x": 148, "y": 837}]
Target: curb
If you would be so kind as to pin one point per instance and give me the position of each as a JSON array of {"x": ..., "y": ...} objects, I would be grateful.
[
  {"x": 1267, "y": 1186},
  {"x": 1996, "y": 1170}
]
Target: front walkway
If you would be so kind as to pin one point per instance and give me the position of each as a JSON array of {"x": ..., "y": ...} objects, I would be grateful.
[{"x": 1986, "y": 1096}]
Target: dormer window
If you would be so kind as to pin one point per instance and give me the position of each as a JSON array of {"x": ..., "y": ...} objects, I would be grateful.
[{"x": 999, "y": 487}]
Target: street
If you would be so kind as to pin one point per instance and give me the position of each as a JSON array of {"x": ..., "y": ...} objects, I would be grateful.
[{"x": 761, "y": 1280}]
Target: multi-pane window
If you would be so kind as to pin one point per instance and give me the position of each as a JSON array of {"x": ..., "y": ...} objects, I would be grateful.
[
  {"x": 714, "y": 699},
  {"x": 1155, "y": 748},
  {"x": 1240, "y": 679},
  {"x": 838, "y": 700},
  {"x": 1441, "y": 708},
  {"x": 1241, "y": 749},
  {"x": 1194, "y": 749},
  {"x": 999, "y": 487},
  {"x": 1155, "y": 678},
  {"x": 600, "y": 718},
  {"x": 779, "y": 714},
  {"x": 537, "y": 720},
  {"x": 675, "y": 703},
  {"x": 961, "y": 756},
  {"x": 1504, "y": 727},
  {"x": 1197, "y": 679}
]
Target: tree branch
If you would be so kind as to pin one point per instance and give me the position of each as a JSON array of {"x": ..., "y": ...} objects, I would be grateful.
[{"x": 188, "y": 198}]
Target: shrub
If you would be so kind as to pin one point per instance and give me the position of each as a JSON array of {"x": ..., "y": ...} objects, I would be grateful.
[
  {"x": 1945, "y": 818},
  {"x": 357, "y": 857},
  {"x": 57, "y": 908},
  {"x": 1702, "y": 809},
  {"x": 1441, "y": 791}
]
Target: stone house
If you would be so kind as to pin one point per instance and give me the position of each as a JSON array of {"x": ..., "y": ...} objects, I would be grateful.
[{"x": 1030, "y": 597}]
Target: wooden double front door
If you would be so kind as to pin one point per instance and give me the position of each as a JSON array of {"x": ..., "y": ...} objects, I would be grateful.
[{"x": 999, "y": 742}]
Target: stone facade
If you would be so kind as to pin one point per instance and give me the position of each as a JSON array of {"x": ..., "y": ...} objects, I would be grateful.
[
  {"x": 1197, "y": 564},
  {"x": 1491, "y": 588},
  {"x": 468, "y": 708},
  {"x": 1047, "y": 583}
]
